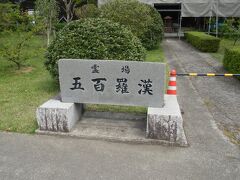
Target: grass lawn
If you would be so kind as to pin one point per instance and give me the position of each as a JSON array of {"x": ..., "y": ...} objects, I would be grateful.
[
  {"x": 225, "y": 43},
  {"x": 22, "y": 91}
]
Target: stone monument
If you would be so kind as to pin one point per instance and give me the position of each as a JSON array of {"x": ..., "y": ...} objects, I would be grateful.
[{"x": 115, "y": 82}]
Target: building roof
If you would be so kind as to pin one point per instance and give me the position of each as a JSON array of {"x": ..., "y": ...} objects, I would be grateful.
[
  {"x": 206, "y": 8},
  {"x": 200, "y": 8}
]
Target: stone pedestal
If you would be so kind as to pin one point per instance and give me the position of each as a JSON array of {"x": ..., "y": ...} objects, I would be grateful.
[
  {"x": 55, "y": 115},
  {"x": 166, "y": 123}
]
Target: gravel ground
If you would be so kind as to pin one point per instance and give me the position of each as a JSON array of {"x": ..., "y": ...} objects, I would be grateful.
[{"x": 221, "y": 95}]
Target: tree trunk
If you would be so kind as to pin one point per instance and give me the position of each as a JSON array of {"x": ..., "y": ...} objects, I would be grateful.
[
  {"x": 48, "y": 36},
  {"x": 235, "y": 41},
  {"x": 54, "y": 33},
  {"x": 68, "y": 9},
  {"x": 18, "y": 66},
  {"x": 50, "y": 26},
  {"x": 16, "y": 62}
]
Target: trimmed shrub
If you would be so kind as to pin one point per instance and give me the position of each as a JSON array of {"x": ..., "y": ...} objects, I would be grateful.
[
  {"x": 87, "y": 11},
  {"x": 142, "y": 19},
  {"x": 202, "y": 41},
  {"x": 60, "y": 26},
  {"x": 231, "y": 60},
  {"x": 93, "y": 38},
  {"x": 152, "y": 38}
]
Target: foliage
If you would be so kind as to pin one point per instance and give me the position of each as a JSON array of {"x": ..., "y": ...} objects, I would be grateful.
[
  {"x": 225, "y": 43},
  {"x": 87, "y": 11},
  {"x": 59, "y": 26},
  {"x": 154, "y": 35},
  {"x": 48, "y": 11},
  {"x": 13, "y": 52},
  {"x": 202, "y": 41},
  {"x": 12, "y": 19},
  {"x": 95, "y": 2},
  {"x": 132, "y": 14},
  {"x": 231, "y": 60},
  {"x": 143, "y": 20},
  {"x": 231, "y": 30},
  {"x": 93, "y": 38}
]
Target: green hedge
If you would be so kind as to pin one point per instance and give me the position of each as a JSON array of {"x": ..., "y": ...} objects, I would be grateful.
[
  {"x": 231, "y": 60},
  {"x": 93, "y": 38},
  {"x": 202, "y": 41}
]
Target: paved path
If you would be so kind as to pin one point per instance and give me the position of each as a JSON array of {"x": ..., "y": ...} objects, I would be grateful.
[
  {"x": 209, "y": 156},
  {"x": 220, "y": 94}
]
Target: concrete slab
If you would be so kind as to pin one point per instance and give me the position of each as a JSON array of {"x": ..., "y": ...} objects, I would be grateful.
[
  {"x": 114, "y": 128},
  {"x": 118, "y": 127},
  {"x": 166, "y": 123},
  {"x": 55, "y": 115}
]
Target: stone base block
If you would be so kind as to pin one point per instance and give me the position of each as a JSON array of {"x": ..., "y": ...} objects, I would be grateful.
[
  {"x": 166, "y": 123},
  {"x": 55, "y": 115}
]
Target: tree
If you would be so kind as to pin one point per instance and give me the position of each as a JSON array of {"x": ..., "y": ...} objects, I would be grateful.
[
  {"x": 14, "y": 52},
  {"x": 69, "y": 6},
  {"x": 143, "y": 20},
  {"x": 87, "y": 11},
  {"x": 11, "y": 18},
  {"x": 231, "y": 30},
  {"x": 48, "y": 12}
]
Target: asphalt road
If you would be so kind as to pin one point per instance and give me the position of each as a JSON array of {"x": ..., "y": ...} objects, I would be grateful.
[{"x": 210, "y": 154}]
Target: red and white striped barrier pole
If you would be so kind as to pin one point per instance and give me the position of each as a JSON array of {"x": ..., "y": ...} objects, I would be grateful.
[{"x": 172, "y": 85}]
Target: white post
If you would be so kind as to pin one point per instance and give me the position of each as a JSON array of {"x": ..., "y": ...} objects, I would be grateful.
[
  {"x": 210, "y": 18},
  {"x": 217, "y": 20},
  {"x": 180, "y": 24},
  {"x": 209, "y": 24}
]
